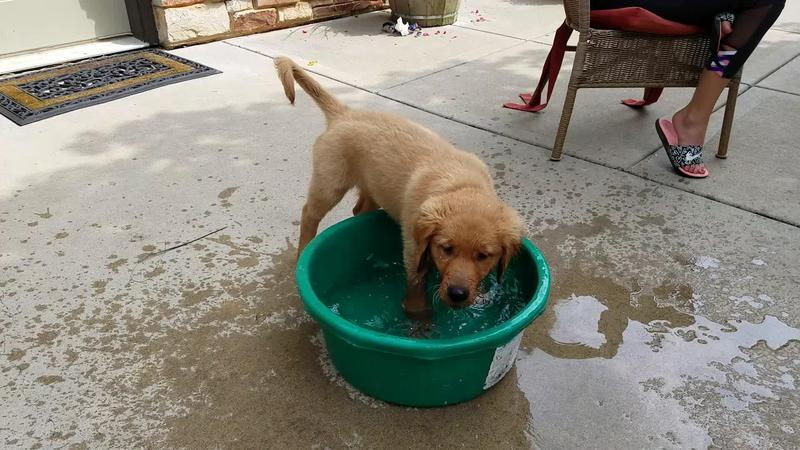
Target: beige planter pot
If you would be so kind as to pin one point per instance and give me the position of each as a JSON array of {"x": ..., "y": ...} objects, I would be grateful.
[{"x": 426, "y": 13}]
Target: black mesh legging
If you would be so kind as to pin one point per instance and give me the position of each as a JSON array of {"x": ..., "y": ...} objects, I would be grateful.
[{"x": 753, "y": 19}]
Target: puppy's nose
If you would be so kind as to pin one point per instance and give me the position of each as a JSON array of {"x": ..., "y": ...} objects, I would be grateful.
[{"x": 457, "y": 294}]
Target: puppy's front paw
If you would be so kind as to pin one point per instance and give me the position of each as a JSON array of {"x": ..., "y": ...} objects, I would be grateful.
[
  {"x": 417, "y": 308},
  {"x": 420, "y": 329},
  {"x": 419, "y": 315}
]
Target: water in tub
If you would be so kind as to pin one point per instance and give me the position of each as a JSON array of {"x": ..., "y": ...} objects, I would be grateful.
[{"x": 374, "y": 301}]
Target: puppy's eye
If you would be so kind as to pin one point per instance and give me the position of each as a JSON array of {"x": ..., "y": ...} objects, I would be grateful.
[
  {"x": 482, "y": 256},
  {"x": 448, "y": 250}
]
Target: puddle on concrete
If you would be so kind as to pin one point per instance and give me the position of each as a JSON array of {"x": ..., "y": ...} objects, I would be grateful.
[
  {"x": 609, "y": 305},
  {"x": 225, "y": 196},
  {"x": 576, "y": 322},
  {"x": 626, "y": 371}
]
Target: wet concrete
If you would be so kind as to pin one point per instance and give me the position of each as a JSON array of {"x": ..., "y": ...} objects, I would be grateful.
[{"x": 673, "y": 321}]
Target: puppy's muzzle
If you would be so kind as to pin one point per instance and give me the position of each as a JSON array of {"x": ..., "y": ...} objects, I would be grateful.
[{"x": 457, "y": 295}]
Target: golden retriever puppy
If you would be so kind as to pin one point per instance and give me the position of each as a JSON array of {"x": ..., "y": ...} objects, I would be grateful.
[{"x": 442, "y": 197}]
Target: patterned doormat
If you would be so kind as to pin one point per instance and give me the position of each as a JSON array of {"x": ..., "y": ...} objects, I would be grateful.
[{"x": 40, "y": 94}]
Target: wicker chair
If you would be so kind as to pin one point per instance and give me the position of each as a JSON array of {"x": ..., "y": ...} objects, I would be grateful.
[{"x": 621, "y": 59}]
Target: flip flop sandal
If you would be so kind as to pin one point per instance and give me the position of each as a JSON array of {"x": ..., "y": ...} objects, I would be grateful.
[
  {"x": 720, "y": 58},
  {"x": 680, "y": 156}
]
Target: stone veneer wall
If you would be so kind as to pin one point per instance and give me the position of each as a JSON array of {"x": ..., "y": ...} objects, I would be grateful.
[{"x": 182, "y": 22}]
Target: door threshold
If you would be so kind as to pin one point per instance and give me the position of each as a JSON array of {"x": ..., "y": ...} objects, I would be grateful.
[{"x": 48, "y": 57}]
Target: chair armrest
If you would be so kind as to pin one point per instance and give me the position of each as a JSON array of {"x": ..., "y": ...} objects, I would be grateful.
[{"x": 578, "y": 14}]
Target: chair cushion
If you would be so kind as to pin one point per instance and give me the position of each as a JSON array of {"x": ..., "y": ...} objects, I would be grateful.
[{"x": 640, "y": 20}]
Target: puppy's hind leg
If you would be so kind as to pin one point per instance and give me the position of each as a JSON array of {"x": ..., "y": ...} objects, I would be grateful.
[
  {"x": 325, "y": 192},
  {"x": 364, "y": 204}
]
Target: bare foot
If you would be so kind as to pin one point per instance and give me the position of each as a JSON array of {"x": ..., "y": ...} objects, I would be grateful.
[
  {"x": 725, "y": 29},
  {"x": 690, "y": 132}
]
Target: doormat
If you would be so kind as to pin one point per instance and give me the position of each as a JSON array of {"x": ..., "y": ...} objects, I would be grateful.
[{"x": 37, "y": 95}]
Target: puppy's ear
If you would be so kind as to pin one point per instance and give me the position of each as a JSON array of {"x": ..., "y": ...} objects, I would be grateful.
[
  {"x": 427, "y": 224},
  {"x": 510, "y": 233}
]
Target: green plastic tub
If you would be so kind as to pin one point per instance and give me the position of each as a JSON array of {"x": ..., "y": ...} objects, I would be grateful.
[{"x": 352, "y": 282}]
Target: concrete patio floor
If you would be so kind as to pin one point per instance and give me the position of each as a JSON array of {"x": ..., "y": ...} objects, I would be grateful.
[{"x": 674, "y": 320}]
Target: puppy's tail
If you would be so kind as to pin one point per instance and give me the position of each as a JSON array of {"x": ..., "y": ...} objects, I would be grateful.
[{"x": 289, "y": 72}]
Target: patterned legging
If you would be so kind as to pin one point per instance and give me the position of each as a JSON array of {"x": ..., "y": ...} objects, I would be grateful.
[{"x": 753, "y": 19}]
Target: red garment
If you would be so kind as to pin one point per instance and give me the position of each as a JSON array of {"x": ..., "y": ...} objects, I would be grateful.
[{"x": 640, "y": 20}]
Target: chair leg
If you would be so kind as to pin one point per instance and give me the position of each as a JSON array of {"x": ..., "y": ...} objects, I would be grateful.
[
  {"x": 566, "y": 115},
  {"x": 727, "y": 121}
]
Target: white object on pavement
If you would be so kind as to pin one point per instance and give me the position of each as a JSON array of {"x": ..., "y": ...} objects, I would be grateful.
[{"x": 401, "y": 27}]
